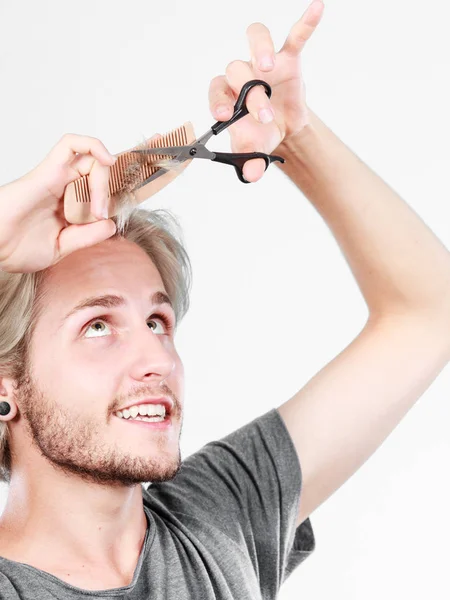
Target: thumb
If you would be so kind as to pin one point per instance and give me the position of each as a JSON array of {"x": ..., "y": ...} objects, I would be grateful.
[
  {"x": 254, "y": 168},
  {"x": 75, "y": 237}
]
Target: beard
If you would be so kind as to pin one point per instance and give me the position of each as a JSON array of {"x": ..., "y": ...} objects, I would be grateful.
[{"x": 72, "y": 443}]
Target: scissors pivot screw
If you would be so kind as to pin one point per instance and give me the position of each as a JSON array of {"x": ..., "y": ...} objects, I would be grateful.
[{"x": 193, "y": 151}]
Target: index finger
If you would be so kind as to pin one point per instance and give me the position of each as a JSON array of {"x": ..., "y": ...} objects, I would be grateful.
[
  {"x": 261, "y": 47},
  {"x": 221, "y": 98},
  {"x": 72, "y": 144}
]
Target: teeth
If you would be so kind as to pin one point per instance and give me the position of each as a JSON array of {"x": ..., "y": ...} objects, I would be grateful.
[
  {"x": 155, "y": 419},
  {"x": 143, "y": 410}
]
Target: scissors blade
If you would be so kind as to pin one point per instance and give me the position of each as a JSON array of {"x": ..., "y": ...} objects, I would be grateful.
[
  {"x": 178, "y": 152},
  {"x": 158, "y": 173},
  {"x": 169, "y": 151},
  {"x": 181, "y": 153}
]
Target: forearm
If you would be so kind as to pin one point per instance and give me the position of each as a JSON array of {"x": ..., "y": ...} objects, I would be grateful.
[{"x": 398, "y": 263}]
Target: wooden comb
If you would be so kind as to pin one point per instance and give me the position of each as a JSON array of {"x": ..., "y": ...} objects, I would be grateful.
[{"x": 128, "y": 172}]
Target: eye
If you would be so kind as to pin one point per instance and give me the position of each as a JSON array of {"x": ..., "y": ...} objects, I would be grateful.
[
  {"x": 165, "y": 320},
  {"x": 96, "y": 328}
]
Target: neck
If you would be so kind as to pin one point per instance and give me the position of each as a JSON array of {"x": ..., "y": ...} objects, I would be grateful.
[{"x": 76, "y": 522}]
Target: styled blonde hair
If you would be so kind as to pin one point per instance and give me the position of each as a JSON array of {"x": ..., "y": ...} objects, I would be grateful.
[{"x": 157, "y": 232}]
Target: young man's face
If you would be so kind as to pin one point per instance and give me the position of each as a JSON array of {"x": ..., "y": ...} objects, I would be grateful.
[{"x": 85, "y": 367}]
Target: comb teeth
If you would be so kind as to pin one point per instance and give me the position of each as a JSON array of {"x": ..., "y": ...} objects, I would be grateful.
[
  {"x": 126, "y": 185},
  {"x": 81, "y": 187},
  {"x": 130, "y": 170}
]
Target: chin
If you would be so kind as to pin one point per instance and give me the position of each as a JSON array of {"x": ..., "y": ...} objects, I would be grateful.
[{"x": 122, "y": 469}]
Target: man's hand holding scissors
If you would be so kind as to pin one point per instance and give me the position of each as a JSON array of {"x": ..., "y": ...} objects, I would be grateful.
[{"x": 282, "y": 116}]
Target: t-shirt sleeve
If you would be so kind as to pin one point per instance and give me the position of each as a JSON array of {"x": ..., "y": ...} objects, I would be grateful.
[{"x": 248, "y": 484}]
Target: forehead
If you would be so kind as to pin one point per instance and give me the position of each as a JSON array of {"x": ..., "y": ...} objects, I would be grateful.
[{"x": 113, "y": 266}]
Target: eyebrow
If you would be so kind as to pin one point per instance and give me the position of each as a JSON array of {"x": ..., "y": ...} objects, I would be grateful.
[{"x": 159, "y": 298}]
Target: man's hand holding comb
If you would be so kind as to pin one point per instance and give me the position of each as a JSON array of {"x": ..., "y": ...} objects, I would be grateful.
[{"x": 33, "y": 231}]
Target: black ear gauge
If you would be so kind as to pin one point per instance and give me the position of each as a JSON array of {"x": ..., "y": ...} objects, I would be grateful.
[{"x": 5, "y": 408}]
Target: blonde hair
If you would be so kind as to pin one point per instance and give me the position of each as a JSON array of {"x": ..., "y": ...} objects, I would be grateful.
[{"x": 157, "y": 232}]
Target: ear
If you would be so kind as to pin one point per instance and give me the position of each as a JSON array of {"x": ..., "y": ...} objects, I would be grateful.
[{"x": 7, "y": 395}]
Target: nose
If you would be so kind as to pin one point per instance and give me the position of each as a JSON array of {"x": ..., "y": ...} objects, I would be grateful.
[{"x": 153, "y": 357}]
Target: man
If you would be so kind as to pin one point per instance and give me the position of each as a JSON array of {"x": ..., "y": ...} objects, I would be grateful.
[{"x": 90, "y": 338}]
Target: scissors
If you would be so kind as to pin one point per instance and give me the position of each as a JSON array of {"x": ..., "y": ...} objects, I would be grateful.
[{"x": 198, "y": 149}]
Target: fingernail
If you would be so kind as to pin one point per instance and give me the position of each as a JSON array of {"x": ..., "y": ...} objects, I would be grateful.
[
  {"x": 266, "y": 63},
  {"x": 222, "y": 110},
  {"x": 265, "y": 115},
  {"x": 105, "y": 212}
]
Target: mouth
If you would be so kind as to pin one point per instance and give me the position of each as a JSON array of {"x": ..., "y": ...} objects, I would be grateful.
[{"x": 150, "y": 411}]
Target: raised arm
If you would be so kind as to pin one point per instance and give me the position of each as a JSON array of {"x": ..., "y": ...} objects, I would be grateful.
[{"x": 339, "y": 418}]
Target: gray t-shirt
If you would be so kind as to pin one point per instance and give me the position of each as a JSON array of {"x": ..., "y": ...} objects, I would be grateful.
[{"x": 222, "y": 529}]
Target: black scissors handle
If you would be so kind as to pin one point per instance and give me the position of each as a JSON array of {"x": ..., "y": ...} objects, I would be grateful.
[
  {"x": 238, "y": 160},
  {"x": 240, "y": 108}
]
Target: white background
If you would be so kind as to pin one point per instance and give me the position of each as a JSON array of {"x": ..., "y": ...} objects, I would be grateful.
[{"x": 273, "y": 299}]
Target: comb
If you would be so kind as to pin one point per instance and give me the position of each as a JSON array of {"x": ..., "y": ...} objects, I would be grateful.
[{"x": 127, "y": 174}]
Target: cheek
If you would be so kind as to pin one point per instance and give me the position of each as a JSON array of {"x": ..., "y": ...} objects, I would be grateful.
[
  {"x": 77, "y": 375},
  {"x": 95, "y": 368}
]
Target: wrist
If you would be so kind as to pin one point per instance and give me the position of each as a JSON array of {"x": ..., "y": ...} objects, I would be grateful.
[{"x": 296, "y": 144}]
